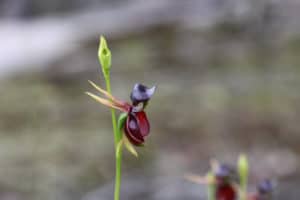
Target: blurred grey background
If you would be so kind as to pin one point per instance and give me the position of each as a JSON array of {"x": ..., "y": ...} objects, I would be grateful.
[{"x": 228, "y": 81}]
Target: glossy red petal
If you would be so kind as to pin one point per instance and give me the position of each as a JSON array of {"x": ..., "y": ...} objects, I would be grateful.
[
  {"x": 132, "y": 130},
  {"x": 143, "y": 123}
]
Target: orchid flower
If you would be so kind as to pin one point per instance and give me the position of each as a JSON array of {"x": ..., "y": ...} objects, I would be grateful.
[
  {"x": 136, "y": 126},
  {"x": 221, "y": 178}
]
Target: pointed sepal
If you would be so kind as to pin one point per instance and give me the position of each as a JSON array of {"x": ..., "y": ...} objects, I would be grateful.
[{"x": 129, "y": 147}]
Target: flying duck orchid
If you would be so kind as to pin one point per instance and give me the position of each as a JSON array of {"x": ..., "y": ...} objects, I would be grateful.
[
  {"x": 135, "y": 124},
  {"x": 132, "y": 121}
]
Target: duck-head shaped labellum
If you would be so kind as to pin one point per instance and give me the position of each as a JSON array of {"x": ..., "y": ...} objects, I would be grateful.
[
  {"x": 137, "y": 127},
  {"x": 141, "y": 94},
  {"x": 224, "y": 173}
]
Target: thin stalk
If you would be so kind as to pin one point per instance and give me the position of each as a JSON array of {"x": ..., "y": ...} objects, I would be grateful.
[
  {"x": 211, "y": 188},
  {"x": 113, "y": 114},
  {"x": 118, "y": 175},
  {"x": 117, "y": 138}
]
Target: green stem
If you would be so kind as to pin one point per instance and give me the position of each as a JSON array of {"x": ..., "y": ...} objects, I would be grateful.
[
  {"x": 113, "y": 113},
  {"x": 211, "y": 188},
  {"x": 117, "y": 138},
  {"x": 118, "y": 175}
]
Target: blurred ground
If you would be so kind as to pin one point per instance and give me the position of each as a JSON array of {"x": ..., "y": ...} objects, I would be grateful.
[{"x": 228, "y": 82}]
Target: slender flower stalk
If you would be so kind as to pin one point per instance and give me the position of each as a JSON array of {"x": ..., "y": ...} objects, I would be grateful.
[
  {"x": 211, "y": 186},
  {"x": 133, "y": 121},
  {"x": 104, "y": 57}
]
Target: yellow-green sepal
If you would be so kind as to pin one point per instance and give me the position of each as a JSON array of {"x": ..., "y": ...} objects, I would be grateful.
[{"x": 130, "y": 147}]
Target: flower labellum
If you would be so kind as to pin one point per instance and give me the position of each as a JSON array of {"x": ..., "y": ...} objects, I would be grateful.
[{"x": 141, "y": 94}]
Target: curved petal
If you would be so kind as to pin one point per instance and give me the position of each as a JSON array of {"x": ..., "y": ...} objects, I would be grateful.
[
  {"x": 143, "y": 123},
  {"x": 132, "y": 130}
]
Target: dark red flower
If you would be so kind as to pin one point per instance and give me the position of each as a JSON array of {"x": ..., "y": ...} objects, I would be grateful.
[
  {"x": 137, "y": 126},
  {"x": 224, "y": 175},
  {"x": 221, "y": 177},
  {"x": 225, "y": 192}
]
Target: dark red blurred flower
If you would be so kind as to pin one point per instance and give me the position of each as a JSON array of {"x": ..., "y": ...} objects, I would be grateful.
[
  {"x": 225, "y": 192},
  {"x": 224, "y": 175},
  {"x": 264, "y": 191},
  {"x": 221, "y": 177}
]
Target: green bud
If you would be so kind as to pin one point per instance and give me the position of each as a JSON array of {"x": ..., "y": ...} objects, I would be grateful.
[
  {"x": 243, "y": 168},
  {"x": 104, "y": 56}
]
